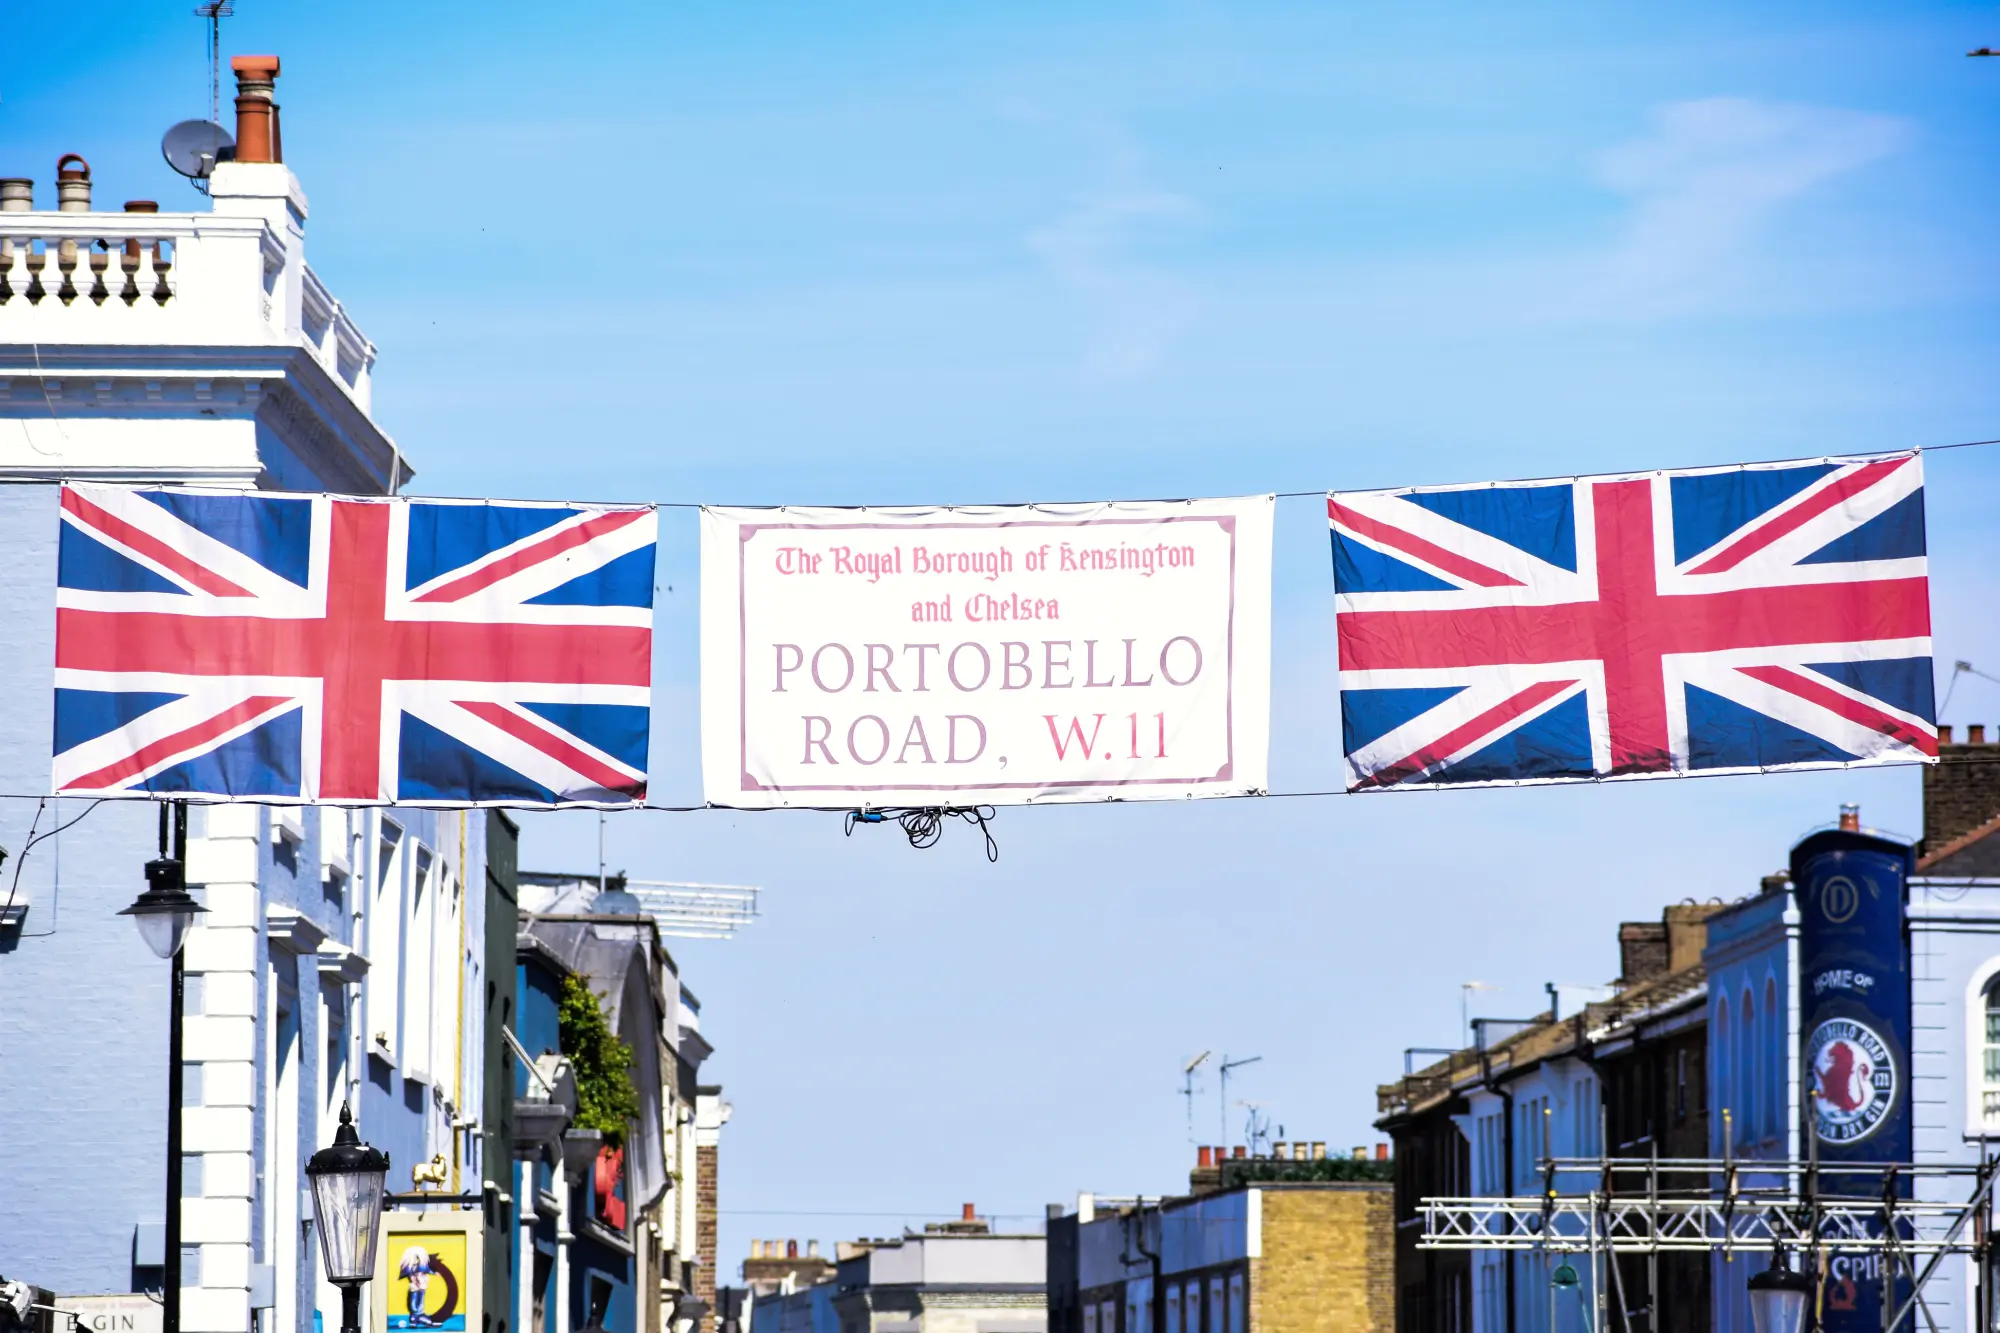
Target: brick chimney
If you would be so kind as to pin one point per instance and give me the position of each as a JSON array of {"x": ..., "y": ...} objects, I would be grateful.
[
  {"x": 1643, "y": 951},
  {"x": 257, "y": 136},
  {"x": 1962, "y": 789}
]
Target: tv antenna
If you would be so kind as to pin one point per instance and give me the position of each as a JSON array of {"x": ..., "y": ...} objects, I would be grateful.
[
  {"x": 1222, "y": 1097},
  {"x": 1257, "y": 1128},
  {"x": 215, "y": 11},
  {"x": 1187, "y": 1090}
]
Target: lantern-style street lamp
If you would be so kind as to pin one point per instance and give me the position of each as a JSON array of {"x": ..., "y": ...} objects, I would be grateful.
[
  {"x": 165, "y": 913},
  {"x": 347, "y": 1180},
  {"x": 1778, "y": 1296}
]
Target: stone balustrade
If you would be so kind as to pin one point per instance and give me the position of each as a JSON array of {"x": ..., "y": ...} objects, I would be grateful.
[{"x": 170, "y": 279}]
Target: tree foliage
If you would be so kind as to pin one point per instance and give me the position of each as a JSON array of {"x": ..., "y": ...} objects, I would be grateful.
[
  {"x": 606, "y": 1101},
  {"x": 1254, "y": 1169}
]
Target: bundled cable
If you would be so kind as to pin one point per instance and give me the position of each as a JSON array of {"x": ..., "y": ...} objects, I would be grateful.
[{"x": 924, "y": 825}]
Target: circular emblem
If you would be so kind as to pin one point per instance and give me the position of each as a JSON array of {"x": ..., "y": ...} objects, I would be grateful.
[
  {"x": 1855, "y": 1077},
  {"x": 1839, "y": 899}
]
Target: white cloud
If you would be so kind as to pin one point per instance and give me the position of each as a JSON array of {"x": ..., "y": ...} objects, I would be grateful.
[
  {"x": 1707, "y": 182},
  {"x": 1136, "y": 309}
]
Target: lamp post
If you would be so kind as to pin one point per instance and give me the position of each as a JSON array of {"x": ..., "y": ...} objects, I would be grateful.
[
  {"x": 164, "y": 913},
  {"x": 347, "y": 1182},
  {"x": 1778, "y": 1297}
]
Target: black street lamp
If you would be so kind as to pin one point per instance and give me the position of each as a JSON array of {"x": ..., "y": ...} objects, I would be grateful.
[
  {"x": 164, "y": 913},
  {"x": 347, "y": 1181},
  {"x": 1778, "y": 1297}
]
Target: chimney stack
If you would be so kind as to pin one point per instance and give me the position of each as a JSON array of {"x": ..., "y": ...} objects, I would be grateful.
[
  {"x": 257, "y": 136},
  {"x": 72, "y": 184},
  {"x": 1850, "y": 818}
]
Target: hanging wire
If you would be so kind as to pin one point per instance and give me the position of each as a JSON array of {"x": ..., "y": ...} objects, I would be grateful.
[
  {"x": 924, "y": 825},
  {"x": 14, "y": 889},
  {"x": 1962, "y": 668},
  {"x": 1170, "y": 499}
]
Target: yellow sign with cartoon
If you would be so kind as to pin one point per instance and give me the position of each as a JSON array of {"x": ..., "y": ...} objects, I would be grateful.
[{"x": 428, "y": 1271}]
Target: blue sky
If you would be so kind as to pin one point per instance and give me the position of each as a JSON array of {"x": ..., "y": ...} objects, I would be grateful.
[{"x": 770, "y": 253}]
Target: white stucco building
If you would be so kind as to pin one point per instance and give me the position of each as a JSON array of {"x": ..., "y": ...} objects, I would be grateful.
[
  {"x": 1955, "y": 984},
  {"x": 332, "y": 964}
]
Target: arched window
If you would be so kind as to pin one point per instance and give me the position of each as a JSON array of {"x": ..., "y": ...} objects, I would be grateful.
[
  {"x": 1749, "y": 1064},
  {"x": 1989, "y": 1083},
  {"x": 1774, "y": 1045},
  {"x": 1720, "y": 1070}
]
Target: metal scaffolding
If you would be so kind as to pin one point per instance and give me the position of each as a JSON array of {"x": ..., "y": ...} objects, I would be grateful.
[
  {"x": 1911, "y": 1214},
  {"x": 696, "y": 911}
]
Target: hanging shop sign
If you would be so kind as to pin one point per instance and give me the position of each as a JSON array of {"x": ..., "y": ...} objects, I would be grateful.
[
  {"x": 886, "y": 658},
  {"x": 428, "y": 1271},
  {"x": 352, "y": 651},
  {"x": 1726, "y": 620}
]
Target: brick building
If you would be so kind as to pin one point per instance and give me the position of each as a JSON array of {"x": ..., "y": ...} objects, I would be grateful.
[
  {"x": 1298, "y": 1244},
  {"x": 1962, "y": 806}
]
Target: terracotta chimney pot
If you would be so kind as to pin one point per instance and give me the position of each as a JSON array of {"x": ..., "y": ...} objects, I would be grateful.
[
  {"x": 142, "y": 206},
  {"x": 1240, "y": 1152},
  {"x": 969, "y": 1214},
  {"x": 257, "y": 137},
  {"x": 72, "y": 184},
  {"x": 1204, "y": 1156},
  {"x": 1975, "y": 734},
  {"x": 1850, "y": 819},
  {"x": 1381, "y": 1152},
  {"x": 1944, "y": 729}
]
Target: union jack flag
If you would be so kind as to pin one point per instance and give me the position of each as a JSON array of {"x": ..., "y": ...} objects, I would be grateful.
[
  {"x": 352, "y": 651},
  {"x": 1721, "y": 620}
]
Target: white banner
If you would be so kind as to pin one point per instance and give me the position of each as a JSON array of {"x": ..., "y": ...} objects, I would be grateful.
[{"x": 1101, "y": 652}]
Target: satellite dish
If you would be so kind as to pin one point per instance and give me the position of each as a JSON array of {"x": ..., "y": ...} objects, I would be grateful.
[{"x": 193, "y": 147}]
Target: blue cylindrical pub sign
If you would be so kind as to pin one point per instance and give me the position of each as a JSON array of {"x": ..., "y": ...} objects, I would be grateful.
[{"x": 1854, "y": 975}]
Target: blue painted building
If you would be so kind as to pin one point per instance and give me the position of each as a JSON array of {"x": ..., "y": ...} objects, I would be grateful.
[
  {"x": 608, "y": 1234},
  {"x": 341, "y": 956},
  {"x": 1752, "y": 961}
]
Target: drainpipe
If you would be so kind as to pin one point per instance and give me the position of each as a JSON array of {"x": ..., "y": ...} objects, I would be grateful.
[
  {"x": 1158, "y": 1320},
  {"x": 524, "y": 1272},
  {"x": 1506, "y": 1153},
  {"x": 563, "y": 1237}
]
